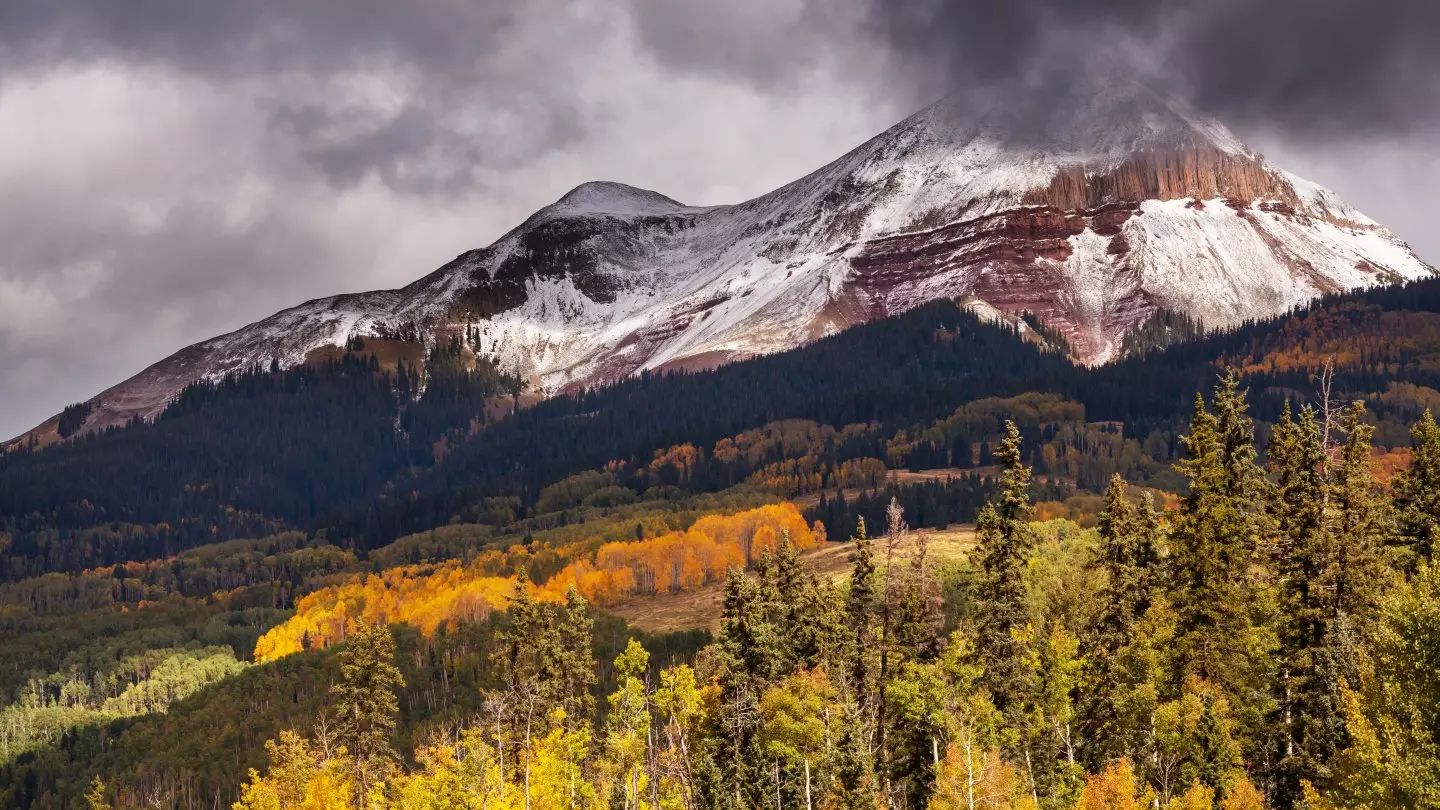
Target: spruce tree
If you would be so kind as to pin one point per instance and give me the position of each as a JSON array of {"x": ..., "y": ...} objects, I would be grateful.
[
  {"x": 1127, "y": 557},
  {"x": 1417, "y": 489},
  {"x": 576, "y": 664},
  {"x": 860, "y": 612},
  {"x": 366, "y": 705},
  {"x": 1304, "y": 549},
  {"x": 1364, "y": 521},
  {"x": 1005, "y": 547},
  {"x": 918, "y": 622},
  {"x": 854, "y": 787},
  {"x": 746, "y": 653},
  {"x": 1214, "y": 538}
]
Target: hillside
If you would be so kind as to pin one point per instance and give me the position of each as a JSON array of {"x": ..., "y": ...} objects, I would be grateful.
[
  {"x": 142, "y": 650},
  {"x": 151, "y": 489}
]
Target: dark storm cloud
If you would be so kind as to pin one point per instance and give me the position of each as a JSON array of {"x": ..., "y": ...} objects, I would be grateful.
[
  {"x": 174, "y": 169},
  {"x": 241, "y": 37},
  {"x": 1311, "y": 67},
  {"x": 442, "y": 50},
  {"x": 767, "y": 43}
]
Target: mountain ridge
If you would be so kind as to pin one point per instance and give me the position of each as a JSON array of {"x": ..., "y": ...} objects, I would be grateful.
[{"x": 1093, "y": 215}]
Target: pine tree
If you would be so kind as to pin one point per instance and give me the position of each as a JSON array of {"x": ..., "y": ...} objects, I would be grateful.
[
  {"x": 854, "y": 772},
  {"x": 95, "y": 797},
  {"x": 1127, "y": 556},
  {"x": 1214, "y": 538},
  {"x": 860, "y": 612},
  {"x": 1303, "y": 552},
  {"x": 366, "y": 705},
  {"x": 1111, "y": 630},
  {"x": 918, "y": 622},
  {"x": 745, "y": 653},
  {"x": 576, "y": 664},
  {"x": 1005, "y": 546},
  {"x": 1363, "y": 523},
  {"x": 1215, "y": 757},
  {"x": 1417, "y": 489}
]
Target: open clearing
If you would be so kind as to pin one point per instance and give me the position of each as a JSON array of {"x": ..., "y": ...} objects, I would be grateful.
[{"x": 700, "y": 608}]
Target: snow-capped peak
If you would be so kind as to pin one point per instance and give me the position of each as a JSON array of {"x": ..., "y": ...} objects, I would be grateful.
[
  {"x": 615, "y": 199},
  {"x": 1092, "y": 205}
]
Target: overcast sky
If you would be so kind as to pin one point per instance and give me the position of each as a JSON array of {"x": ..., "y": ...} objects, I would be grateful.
[{"x": 171, "y": 169}]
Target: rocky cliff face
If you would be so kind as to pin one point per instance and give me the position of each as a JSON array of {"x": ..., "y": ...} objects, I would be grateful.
[{"x": 1093, "y": 215}]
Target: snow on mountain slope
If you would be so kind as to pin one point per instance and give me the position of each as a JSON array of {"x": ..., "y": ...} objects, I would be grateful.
[{"x": 1094, "y": 214}]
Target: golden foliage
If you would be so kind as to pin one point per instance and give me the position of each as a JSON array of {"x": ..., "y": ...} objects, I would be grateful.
[
  {"x": 1115, "y": 788},
  {"x": 427, "y": 597}
]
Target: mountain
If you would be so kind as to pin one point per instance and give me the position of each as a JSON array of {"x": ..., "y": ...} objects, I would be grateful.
[{"x": 1093, "y": 214}]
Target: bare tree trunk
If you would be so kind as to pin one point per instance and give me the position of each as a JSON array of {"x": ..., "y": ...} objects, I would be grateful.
[
  {"x": 1030, "y": 774},
  {"x": 808, "y": 804},
  {"x": 777, "y": 786}
]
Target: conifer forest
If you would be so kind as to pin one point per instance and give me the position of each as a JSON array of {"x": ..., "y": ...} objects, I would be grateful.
[{"x": 922, "y": 564}]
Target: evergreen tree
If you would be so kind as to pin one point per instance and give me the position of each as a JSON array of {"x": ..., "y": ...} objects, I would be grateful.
[
  {"x": 1417, "y": 489},
  {"x": 366, "y": 705},
  {"x": 1363, "y": 523},
  {"x": 1125, "y": 557},
  {"x": 854, "y": 771},
  {"x": 1005, "y": 547},
  {"x": 746, "y": 652},
  {"x": 860, "y": 612},
  {"x": 1213, "y": 539},
  {"x": 1304, "y": 550},
  {"x": 576, "y": 661},
  {"x": 95, "y": 797},
  {"x": 918, "y": 622}
]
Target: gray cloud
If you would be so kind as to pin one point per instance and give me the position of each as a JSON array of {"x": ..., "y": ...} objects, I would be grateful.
[
  {"x": 440, "y": 56},
  {"x": 173, "y": 170},
  {"x": 1315, "y": 68},
  {"x": 241, "y": 37},
  {"x": 172, "y": 173}
]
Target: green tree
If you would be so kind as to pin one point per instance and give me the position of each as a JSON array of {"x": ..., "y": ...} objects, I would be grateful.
[
  {"x": 745, "y": 655},
  {"x": 575, "y": 659},
  {"x": 95, "y": 797},
  {"x": 1126, "y": 558},
  {"x": 1364, "y": 522},
  {"x": 1304, "y": 551},
  {"x": 1005, "y": 547},
  {"x": 1393, "y": 719},
  {"x": 1417, "y": 489},
  {"x": 366, "y": 707},
  {"x": 1051, "y": 739},
  {"x": 1222, "y": 636},
  {"x": 628, "y": 738},
  {"x": 681, "y": 706},
  {"x": 860, "y": 611},
  {"x": 798, "y": 717}
]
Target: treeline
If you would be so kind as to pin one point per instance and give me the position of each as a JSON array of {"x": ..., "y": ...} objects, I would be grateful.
[
  {"x": 318, "y": 446},
  {"x": 198, "y": 752},
  {"x": 1267, "y": 643},
  {"x": 245, "y": 456},
  {"x": 933, "y": 504},
  {"x": 64, "y": 702},
  {"x": 445, "y": 595}
]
